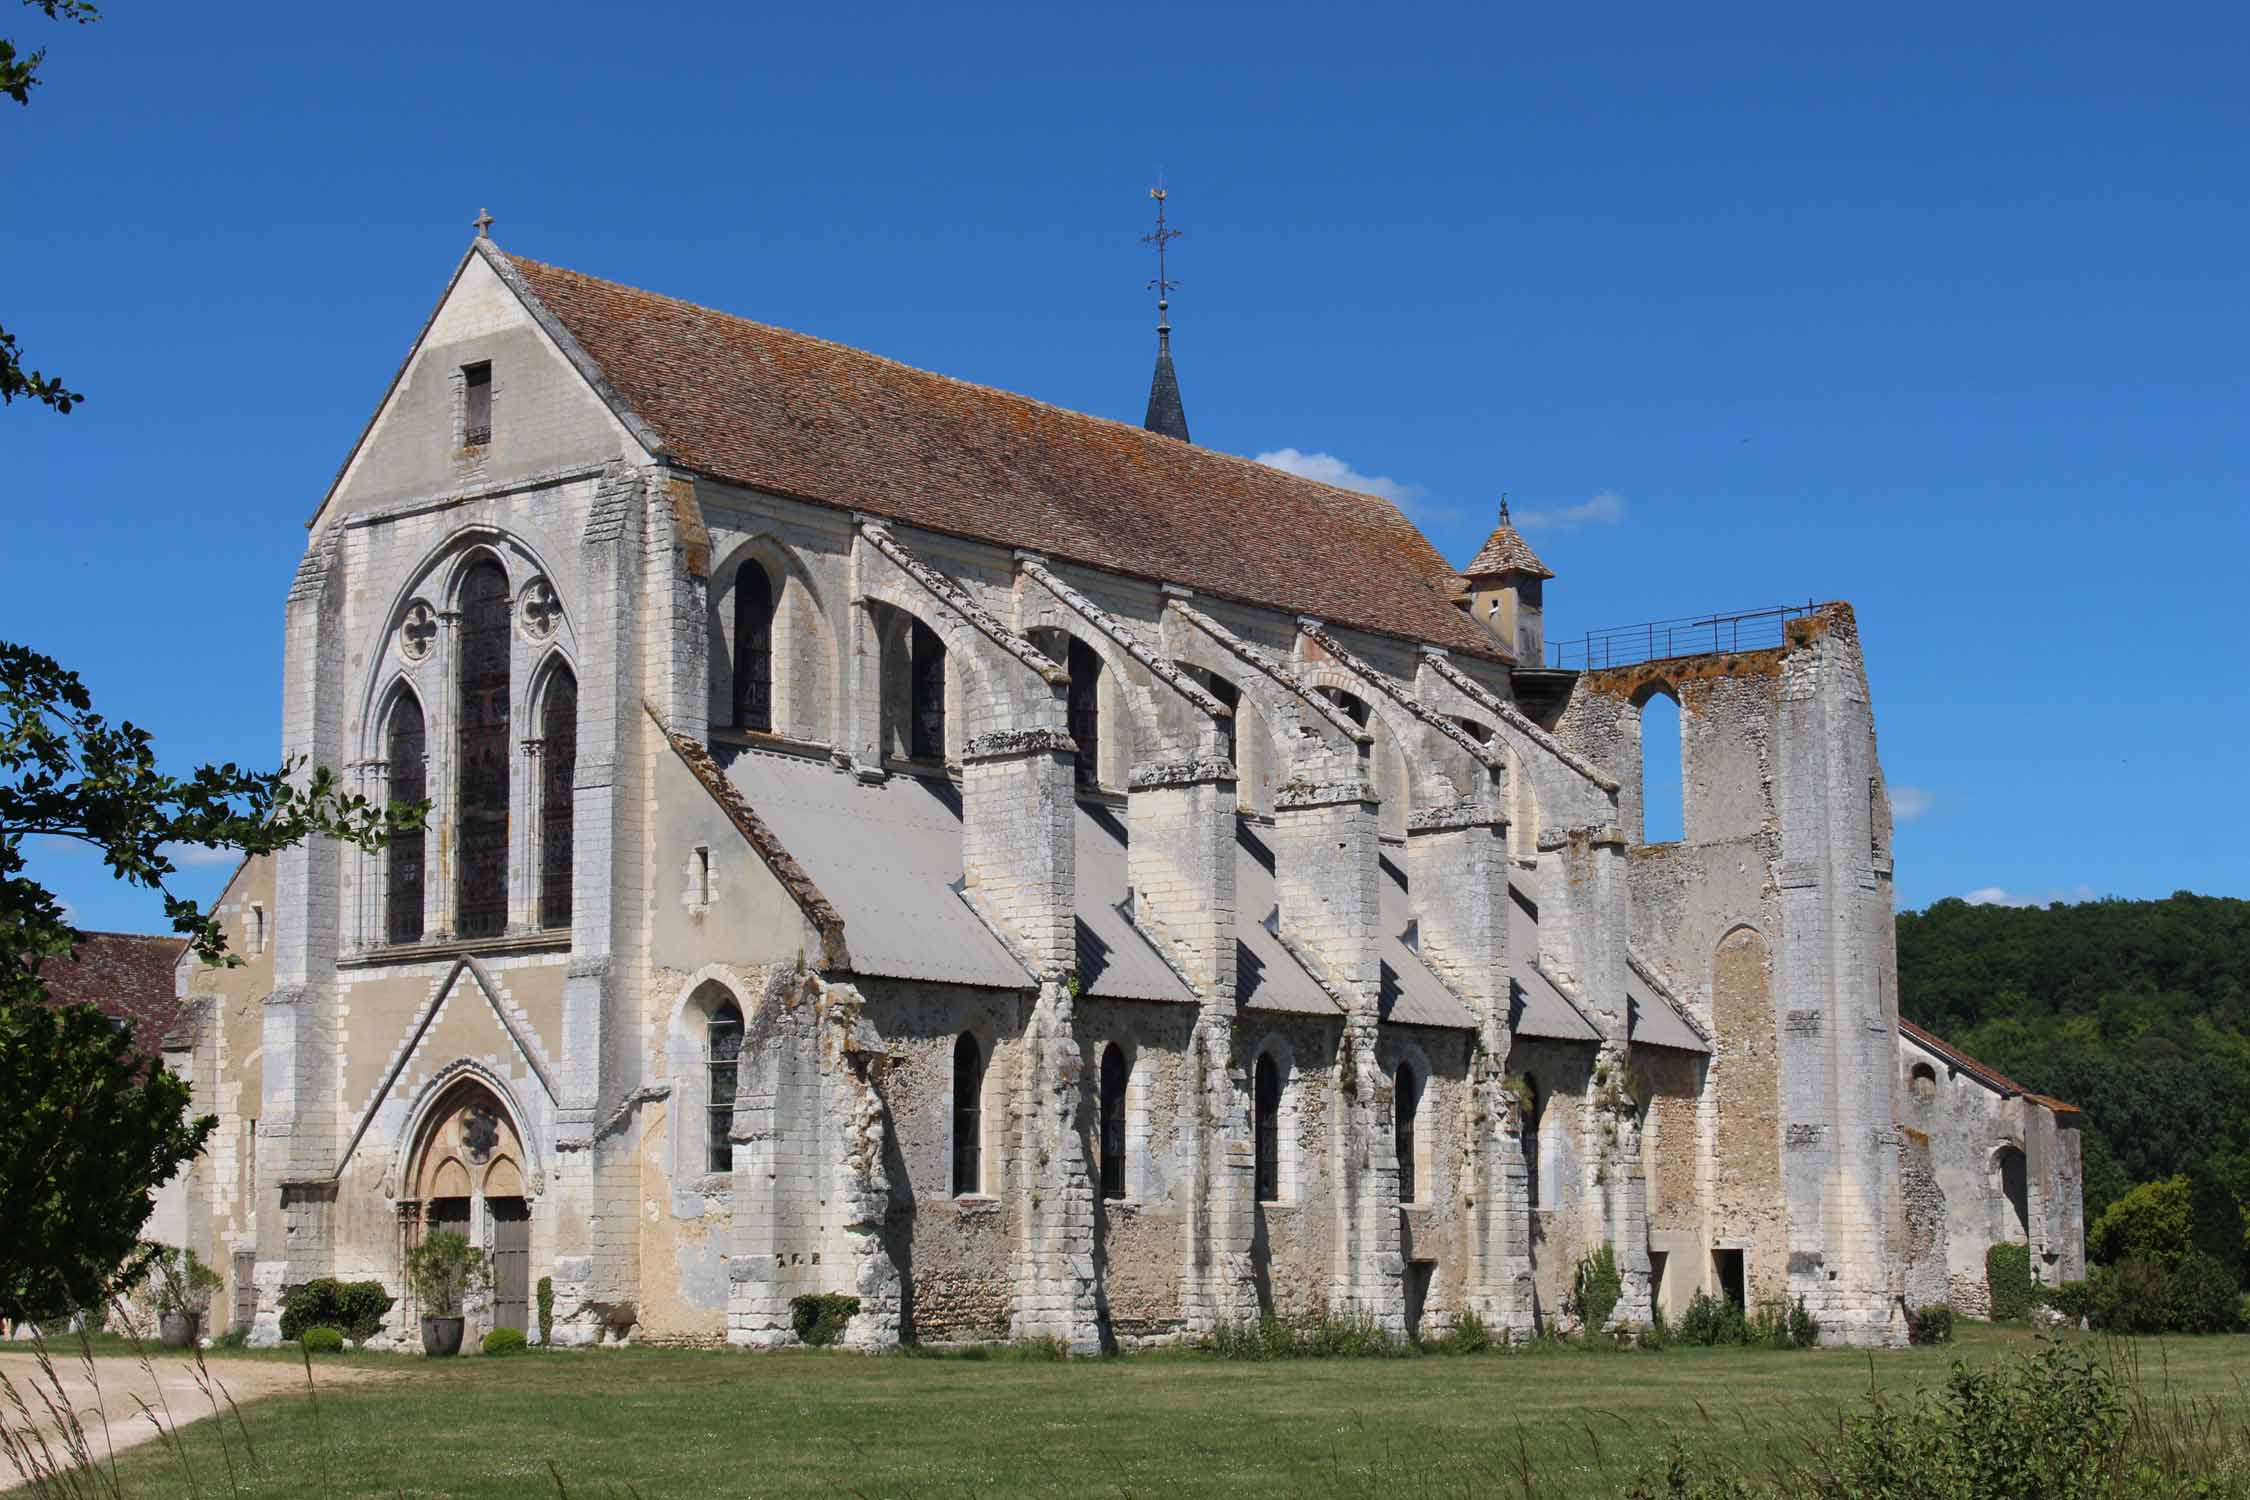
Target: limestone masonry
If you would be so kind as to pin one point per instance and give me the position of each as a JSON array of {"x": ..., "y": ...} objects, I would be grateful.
[{"x": 1043, "y": 879}]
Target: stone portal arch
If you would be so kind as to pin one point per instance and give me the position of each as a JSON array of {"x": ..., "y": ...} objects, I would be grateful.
[{"x": 465, "y": 1176}]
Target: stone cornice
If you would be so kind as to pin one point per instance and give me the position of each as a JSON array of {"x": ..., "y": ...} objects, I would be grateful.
[
  {"x": 1151, "y": 775},
  {"x": 1015, "y": 744},
  {"x": 1302, "y": 794},
  {"x": 1455, "y": 815}
]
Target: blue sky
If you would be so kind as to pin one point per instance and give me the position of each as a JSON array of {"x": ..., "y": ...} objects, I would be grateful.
[{"x": 1946, "y": 318}]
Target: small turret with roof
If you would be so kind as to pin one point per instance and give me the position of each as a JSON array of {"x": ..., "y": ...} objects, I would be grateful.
[
  {"x": 1504, "y": 582},
  {"x": 1165, "y": 414}
]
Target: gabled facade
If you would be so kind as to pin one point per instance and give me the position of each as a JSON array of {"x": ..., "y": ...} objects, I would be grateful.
[{"x": 1032, "y": 874}]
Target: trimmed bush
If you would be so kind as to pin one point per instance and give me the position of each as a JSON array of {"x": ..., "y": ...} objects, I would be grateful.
[
  {"x": 322, "y": 1340},
  {"x": 360, "y": 1306},
  {"x": 356, "y": 1307},
  {"x": 819, "y": 1317},
  {"x": 1595, "y": 1290},
  {"x": 2007, "y": 1277},
  {"x": 1930, "y": 1325},
  {"x": 546, "y": 1309},
  {"x": 504, "y": 1341}
]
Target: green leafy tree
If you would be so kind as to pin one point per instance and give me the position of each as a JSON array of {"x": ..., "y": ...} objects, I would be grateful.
[
  {"x": 2154, "y": 1222},
  {"x": 88, "y": 1128},
  {"x": 19, "y": 75}
]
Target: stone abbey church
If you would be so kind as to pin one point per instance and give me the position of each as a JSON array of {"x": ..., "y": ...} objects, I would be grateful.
[{"x": 1044, "y": 879}]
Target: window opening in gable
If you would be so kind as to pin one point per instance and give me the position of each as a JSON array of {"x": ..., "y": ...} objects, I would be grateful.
[
  {"x": 557, "y": 796},
  {"x": 404, "y": 748},
  {"x": 753, "y": 649},
  {"x": 968, "y": 1144},
  {"x": 723, "y": 1055},
  {"x": 481, "y": 900},
  {"x": 476, "y": 404}
]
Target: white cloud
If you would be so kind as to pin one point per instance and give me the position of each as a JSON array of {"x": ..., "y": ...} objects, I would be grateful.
[
  {"x": 1910, "y": 802},
  {"x": 1327, "y": 468},
  {"x": 190, "y": 855},
  {"x": 1604, "y": 509},
  {"x": 1993, "y": 895}
]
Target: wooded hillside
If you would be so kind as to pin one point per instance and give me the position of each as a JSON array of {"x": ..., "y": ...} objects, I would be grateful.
[{"x": 2136, "y": 1011}]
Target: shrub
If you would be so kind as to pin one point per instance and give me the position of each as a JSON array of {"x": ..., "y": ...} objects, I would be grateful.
[
  {"x": 819, "y": 1317},
  {"x": 360, "y": 1306},
  {"x": 2069, "y": 1300},
  {"x": 1930, "y": 1325},
  {"x": 1468, "y": 1335},
  {"x": 1595, "y": 1289},
  {"x": 2155, "y": 1221},
  {"x": 2204, "y": 1297},
  {"x": 2007, "y": 1277},
  {"x": 546, "y": 1309},
  {"x": 1324, "y": 1336},
  {"x": 322, "y": 1340},
  {"x": 1712, "y": 1320},
  {"x": 445, "y": 1269},
  {"x": 504, "y": 1341},
  {"x": 356, "y": 1307},
  {"x": 1658, "y": 1333},
  {"x": 1804, "y": 1331},
  {"x": 2132, "y": 1296},
  {"x": 180, "y": 1283}
]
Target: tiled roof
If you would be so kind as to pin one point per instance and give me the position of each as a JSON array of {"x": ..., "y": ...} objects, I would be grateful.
[
  {"x": 798, "y": 416},
  {"x": 1505, "y": 551},
  {"x": 1990, "y": 1076},
  {"x": 125, "y": 974}
]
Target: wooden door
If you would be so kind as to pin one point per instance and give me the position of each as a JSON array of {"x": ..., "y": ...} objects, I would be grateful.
[
  {"x": 511, "y": 1263},
  {"x": 245, "y": 1288}
]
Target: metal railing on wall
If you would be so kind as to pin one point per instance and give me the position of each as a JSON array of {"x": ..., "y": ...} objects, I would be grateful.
[{"x": 1661, "y": 640}]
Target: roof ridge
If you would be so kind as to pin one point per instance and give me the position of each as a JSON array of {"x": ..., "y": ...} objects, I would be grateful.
[{"x": 1378, "y": 502}]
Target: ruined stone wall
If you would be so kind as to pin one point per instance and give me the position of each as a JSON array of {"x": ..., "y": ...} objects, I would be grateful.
[
  {"x": 1139, "y": 1241},
  {"x": 1928, "y": 1258},
  {"x": 1436, "y": 1224},
  {"x": 1562, "y": 1227},
  {"x": 1293, "y": 1245}
]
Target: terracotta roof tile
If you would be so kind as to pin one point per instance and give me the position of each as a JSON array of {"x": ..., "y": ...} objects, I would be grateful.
[
  {"x": 125, "y": 974},
  {"x": 798, "y": 416},
  {"x": 1505, "y": 551}
]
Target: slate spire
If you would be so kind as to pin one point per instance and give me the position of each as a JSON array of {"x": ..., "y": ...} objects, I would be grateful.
[{"x": 1165, "y": 414}]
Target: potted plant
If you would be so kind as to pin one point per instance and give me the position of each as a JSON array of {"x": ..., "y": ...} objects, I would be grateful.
[
  {"x": 445, "y": 1270},
  {"x": 182, "y": 1287}
]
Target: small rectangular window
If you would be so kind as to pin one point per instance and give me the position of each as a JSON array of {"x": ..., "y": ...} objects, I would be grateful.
[
  {"x": 702, "y": 875},
  {"x": 476, "y": 404}
]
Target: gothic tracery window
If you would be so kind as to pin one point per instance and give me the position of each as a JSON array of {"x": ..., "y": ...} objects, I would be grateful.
[
  {"x": 1085, "y": 711},
  {"x": 481, "y": 826},
  {"x": 926, "y": 674},
  {"x": 558, "y": 774},
  {"x": 1113, "y": 1121},
  {"x": 404, "y": 748},
  {"x": 753, "y": 649},
  {"x": 723, "y": 1056}
]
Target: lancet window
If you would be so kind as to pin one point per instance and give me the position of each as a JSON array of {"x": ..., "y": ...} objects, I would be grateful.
[
  {"x": 558, "y": 731},
  {"x": 405, "y": 748},
  {"x": 968, "y": 1123},
  {"x": 1085, "y": 711},
  {"x": 722, "y": 1046},
  {"x": 481, "y": 898},
  {"x": 1113, "y": 1121},
  {"x": 753, "y": 649},
  {"x": 926, "y": 675}
]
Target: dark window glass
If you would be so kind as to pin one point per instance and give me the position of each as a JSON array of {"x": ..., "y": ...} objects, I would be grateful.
[
  {"x": 481, "y": 897},
  {"x": 1533, "y": 1106},
  {"x": 1086, "y": 711},
  {"x": 1406, "y": 1099},
  {"x": 753, "y": 649},
  {"x": 476, "y": 407},
  {"x": 405, "y": 748},
  {"x": 926, "y": 672},
  {"x": 723, "y": 1048},
  {"x": 558, "y": 730},
  {"x": 968, "y": 1118},
  {"x": 1266, "y": 1102},
  {"x": 1113, "y": 1122},
  {"x": 1227, "y": 693}
]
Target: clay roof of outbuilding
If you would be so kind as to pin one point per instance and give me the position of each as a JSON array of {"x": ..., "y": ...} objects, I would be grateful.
[
  {"x": 1992, "y": 1077},
  {"x": 798, "y": 416},
  {"x": 1505, "y": 551},
  {"x": 128, "y": 975}
]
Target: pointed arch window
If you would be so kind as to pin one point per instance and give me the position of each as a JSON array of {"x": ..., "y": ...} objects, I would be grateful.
[
  {"x": 1406, "y": 1102},
  {"x": 1534, "y": 1105},
  {"x": 481, "y": 830},
  {"x": 1085, "y": 711},
  {"x": 558, "y": 732},
  {"x": 722, "y": 1050},
  {"x": 968, "y": 1118},
  {"x": 405, "y": 747},
  {"x": 753, "y": 648},
  {"x": 1266, "y": 1136},
  {"x": 1231, "y": 696},
  {"x": 1113, "y": 1121},
  {"x": 926, "y": 674},
  {"x": 1351, "y": 703}
]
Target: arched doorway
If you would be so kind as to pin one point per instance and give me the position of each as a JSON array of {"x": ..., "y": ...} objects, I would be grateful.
[{"x": 468, "y": 1178}]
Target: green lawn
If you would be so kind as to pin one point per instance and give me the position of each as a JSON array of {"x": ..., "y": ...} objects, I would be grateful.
[{"x": 693, "y": 1423}]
